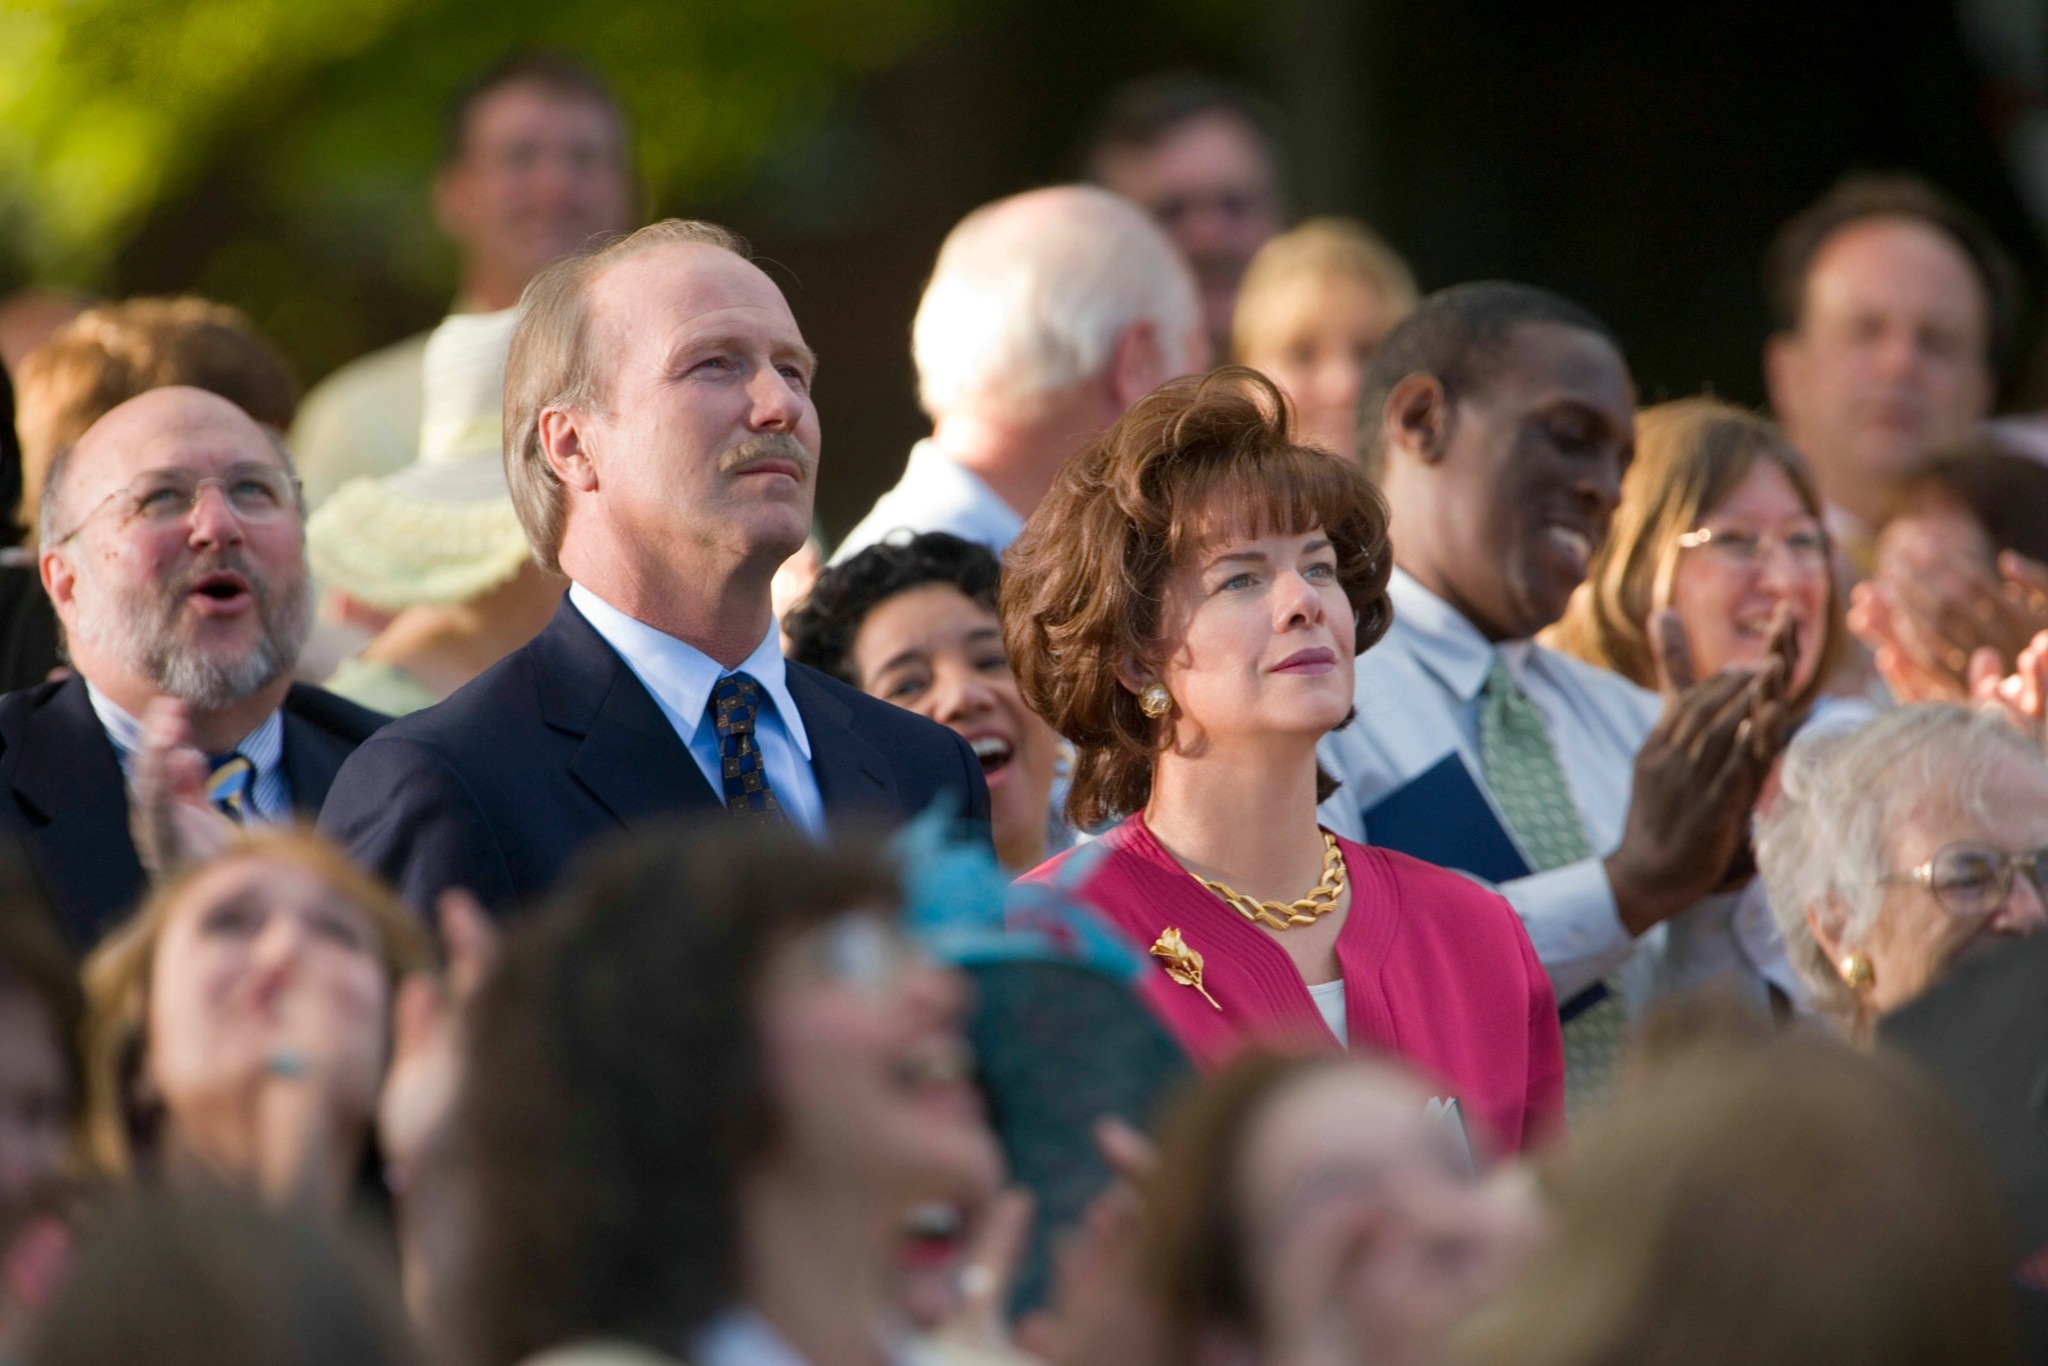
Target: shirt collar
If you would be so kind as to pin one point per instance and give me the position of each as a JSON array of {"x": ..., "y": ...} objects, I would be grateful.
[
  {"x": 1443, "y": 641},
  {"x": 263, "y": 747},
  {"x": 682, "y": 675}
]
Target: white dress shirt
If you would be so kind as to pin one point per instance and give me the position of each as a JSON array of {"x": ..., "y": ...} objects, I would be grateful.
[
  {"x": 270, "y": 796},
  {"x": 741, "y": 1337},
  {"x": 936, "y": 493},
  {"x": 1418, "y": 697},
  {"x": 680, "y": 678}
]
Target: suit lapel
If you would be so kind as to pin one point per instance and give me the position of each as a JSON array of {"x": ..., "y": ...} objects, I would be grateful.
[
  {"x": 69, "y": 774},
  {"x": 630, "y": 758},
  {"x": 312, "y": 757},
  {"x": 852, "y": 774}
]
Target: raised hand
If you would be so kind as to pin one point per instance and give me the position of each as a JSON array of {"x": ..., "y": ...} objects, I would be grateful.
[
  {"x": 1696, "y": 779},
  {"x": 172, "y": 821},
  {"x": 2021, "y": 696}
]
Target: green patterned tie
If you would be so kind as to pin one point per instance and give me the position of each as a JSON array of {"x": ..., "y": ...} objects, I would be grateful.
[{"x": 1528, "y": 784}]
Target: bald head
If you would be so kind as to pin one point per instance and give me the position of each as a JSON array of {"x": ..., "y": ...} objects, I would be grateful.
[
  {"x": 153, "y": 428},
  {"x": 1032, "y": 293}
]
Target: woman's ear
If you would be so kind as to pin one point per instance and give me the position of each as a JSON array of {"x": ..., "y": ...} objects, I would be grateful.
[
  {"x": 1132, "y": 675},
  {"x": 1825, "y": 921}
]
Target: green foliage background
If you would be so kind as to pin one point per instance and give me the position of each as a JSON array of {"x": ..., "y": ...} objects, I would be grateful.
[{"x": 313, "y": 125}]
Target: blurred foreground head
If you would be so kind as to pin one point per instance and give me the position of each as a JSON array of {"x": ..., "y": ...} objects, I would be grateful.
[
  {"x": 706, "y": 1031},
  {"x": 209, "y": 1278},
  {"x": 1321, "y": 1202},
  {"x": 1789, "y": 1202}
]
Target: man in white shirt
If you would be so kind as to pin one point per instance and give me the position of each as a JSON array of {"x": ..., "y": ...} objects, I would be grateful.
[
  {"x": 534, "y": 163},
  {"x": 1499, "y": 419},
  {"x": 662, "y": 453},
  {"x": 1047, "y": 314}
]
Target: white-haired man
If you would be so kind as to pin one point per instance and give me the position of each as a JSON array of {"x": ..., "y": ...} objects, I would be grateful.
[{"x": 1047, "y": 314}]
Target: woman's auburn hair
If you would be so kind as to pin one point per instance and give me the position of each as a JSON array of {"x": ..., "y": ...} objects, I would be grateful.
[
  {"x": 1691, "y": 454},
  {"x": 1197, "y": 458},
  {"x": 117, "y": 978}
]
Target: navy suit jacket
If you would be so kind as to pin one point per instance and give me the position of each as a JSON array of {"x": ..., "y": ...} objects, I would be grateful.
[
  {"x": 495, "y": 789},
  {"x": 63, "y": 796}
]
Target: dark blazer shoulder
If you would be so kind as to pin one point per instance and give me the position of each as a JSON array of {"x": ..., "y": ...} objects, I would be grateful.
[{"x": 337, "y": 715}]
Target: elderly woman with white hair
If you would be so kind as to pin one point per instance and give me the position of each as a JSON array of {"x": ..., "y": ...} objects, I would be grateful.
[{"x": 1896, "y": 849}]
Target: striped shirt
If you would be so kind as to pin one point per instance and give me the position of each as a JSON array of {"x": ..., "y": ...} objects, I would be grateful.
[{"x": 270, "y": 797}]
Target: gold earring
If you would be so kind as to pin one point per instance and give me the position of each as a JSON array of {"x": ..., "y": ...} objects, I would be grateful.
[
  {"x": 1857, "y": 973},
  {"x": 1155, "y": 701}
]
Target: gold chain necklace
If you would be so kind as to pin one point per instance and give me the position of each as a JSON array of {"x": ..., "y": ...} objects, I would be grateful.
[{"x": 1285, "y": 915}]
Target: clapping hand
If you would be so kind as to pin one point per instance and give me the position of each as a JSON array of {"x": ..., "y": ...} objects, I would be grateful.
[
  {"x": 1698, "y": 775},
  {"x": 1927, "y": 625},
  {"x": 2021, "y": 696},
  {"x": 172, "y": 821}
]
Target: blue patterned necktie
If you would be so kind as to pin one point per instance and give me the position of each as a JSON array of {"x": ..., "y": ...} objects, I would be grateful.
[
  {"x": 231, "y": 785},
  {"x": 735, "y": 702},
  {"x": 1529, "y": 786}
]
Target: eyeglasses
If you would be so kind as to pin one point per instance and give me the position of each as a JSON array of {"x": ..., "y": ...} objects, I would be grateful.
[
  {"x": 163, "y": 498},
  {"x": 862, "y": 949},
  {"x": 1808, "y": 546},
  {"x": 1973, "y": 879}
]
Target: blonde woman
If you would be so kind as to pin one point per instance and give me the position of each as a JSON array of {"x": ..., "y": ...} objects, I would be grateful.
[
  {"x": 1315, "y": 303},
  {"x": 238, "y": 1026}
]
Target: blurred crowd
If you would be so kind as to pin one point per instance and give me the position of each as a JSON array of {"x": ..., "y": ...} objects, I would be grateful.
[{"x": 1307, "y": 827}]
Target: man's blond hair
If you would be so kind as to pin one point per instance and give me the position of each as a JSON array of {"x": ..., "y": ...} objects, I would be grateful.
[{"x": 554, "y": 363}]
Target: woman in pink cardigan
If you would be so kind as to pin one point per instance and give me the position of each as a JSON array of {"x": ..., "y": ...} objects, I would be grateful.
[{"x": 1185, "y": 607}]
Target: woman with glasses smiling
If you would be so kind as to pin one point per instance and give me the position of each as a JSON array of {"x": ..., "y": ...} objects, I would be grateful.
[
  {"x": 1719, "y": 522},
  {"x": 1718, "y": 540},
  {"x": 1895, "y": 850}
]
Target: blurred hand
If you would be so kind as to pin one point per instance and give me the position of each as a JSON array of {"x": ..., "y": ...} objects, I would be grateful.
[
  {"x": 415, "y": 1114},
  {"x": 1697, "y": 778},
  {"x": 1925, "y": 625},
  {"x": 2021, "y": 696},
  {"x": 997, "y": 1234},
  {"x": 426, "y": 1040},
  {"x": 1100, "y": 1313},
  {"x": 170, "y": 817}
]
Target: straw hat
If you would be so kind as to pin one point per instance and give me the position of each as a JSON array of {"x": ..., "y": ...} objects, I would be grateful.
[{"x": 442, "y": 529}]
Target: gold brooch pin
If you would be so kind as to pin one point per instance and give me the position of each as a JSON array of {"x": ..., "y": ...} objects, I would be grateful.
[{"x": 1183, "y": 964}]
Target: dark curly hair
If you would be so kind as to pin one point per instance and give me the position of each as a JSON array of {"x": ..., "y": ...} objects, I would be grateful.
[
  {"x": 1082, "y": 584},
  {"x": 823, "y": 629},
  {"x": 616, "y": 1094}
]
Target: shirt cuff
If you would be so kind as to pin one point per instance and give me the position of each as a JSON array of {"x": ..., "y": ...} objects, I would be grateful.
[{"x": 1573, "y": 924}]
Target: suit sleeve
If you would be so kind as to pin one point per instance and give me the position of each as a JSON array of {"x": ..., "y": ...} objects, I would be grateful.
[{"x": 403, "y": 812}]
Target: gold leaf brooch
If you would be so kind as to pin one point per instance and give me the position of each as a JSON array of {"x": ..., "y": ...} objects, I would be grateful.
[{"x": 1183, "y": 964}]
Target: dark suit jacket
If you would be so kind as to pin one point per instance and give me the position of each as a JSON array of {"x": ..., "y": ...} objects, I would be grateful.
[
  {"x": 65, "y": 799},
  {"x": 495, "y": 789}
]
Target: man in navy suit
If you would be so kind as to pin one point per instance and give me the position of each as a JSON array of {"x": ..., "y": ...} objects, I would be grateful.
[
  {"x": 662, "y": 452},
  {"x": 173, "y": 549}
]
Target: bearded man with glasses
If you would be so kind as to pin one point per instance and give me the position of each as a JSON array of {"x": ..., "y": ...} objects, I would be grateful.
[{"x": 173, "y": 549}]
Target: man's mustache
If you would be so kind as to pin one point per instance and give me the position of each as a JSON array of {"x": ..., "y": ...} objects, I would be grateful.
[{"x": 768, "y": 446}]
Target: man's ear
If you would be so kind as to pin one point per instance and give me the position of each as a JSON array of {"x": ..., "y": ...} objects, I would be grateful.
[
  {"x": 60, "y": 579},
  {"x": 561, "y": 441},
  {"x": 1782, "y": 364},
  {"x": 452, "y": 209},
  {"x": 1137, "y": 365},
  {"x": 1417, "y": 417}
]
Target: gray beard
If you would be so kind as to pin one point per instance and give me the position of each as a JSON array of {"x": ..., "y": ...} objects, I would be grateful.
[{"x": 140, "y": 628}]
